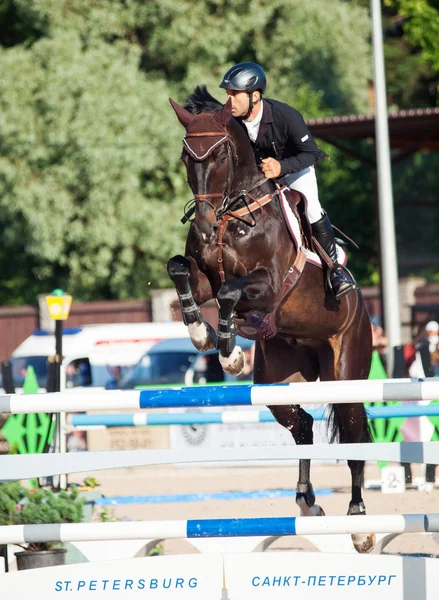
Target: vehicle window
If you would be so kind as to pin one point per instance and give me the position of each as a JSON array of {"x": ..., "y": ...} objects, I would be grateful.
[
  {"x": 207, "y": 369},
  {"x": 160, "y": 368},
  {"x": 78, "y": 373},
  {"x": 20, "y": 365}
]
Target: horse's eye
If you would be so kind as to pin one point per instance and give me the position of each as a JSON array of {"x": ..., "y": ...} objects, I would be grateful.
[{"x": 222, "y": 159}]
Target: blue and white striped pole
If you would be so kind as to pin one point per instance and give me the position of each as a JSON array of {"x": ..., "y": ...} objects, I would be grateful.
[
  {"x": 334, "y": 392},
  {"x": 219, "y": 528},
  {"x": 143, "y": 419}
]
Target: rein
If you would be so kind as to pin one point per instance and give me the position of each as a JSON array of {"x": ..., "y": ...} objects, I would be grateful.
[
  {"x": 227, "y": 215},
  {"x": 224, "y": 214}
]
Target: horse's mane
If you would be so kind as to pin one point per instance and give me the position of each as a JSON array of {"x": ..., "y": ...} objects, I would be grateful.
[{"x": 200, "y": 101}]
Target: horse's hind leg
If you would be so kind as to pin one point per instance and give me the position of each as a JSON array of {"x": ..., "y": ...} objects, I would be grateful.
[
  {"x": 352, "y": 425},
  {"x": 350, "y": 420},
  {"x": 300, "y": 424},
  {"x": 278, "y": 360},
  {"x": 187, "y": 277}
]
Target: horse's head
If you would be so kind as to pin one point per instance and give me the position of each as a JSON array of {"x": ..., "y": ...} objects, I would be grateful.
[
  {"x": 211, "y": 146},
  {"x": 208, "y": 156}
]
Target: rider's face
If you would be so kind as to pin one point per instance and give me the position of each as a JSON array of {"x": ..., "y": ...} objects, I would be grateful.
[{"x": 240, "y": 102}]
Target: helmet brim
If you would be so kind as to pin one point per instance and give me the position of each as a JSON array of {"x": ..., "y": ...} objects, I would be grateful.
[{"x": 230, "y": 86}]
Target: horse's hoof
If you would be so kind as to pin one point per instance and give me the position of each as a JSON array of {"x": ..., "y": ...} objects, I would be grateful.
[
  {"x": 309, "y": 511},
  {"x": 234, "y": 363},
  {"x": 203, "y": 336},
  {"x": 363, "y": 543}
]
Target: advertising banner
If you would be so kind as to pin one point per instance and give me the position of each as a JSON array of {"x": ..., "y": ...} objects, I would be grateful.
[
  {"x": 194, "y": 577},
  {"x": 258, "y": 576},
  {"x": 238, "y": 435}
]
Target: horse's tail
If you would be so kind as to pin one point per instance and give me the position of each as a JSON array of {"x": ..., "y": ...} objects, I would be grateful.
[{"x": 336, "y": 427}]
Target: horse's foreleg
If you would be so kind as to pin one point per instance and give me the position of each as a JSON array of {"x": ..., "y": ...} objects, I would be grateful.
[
  {"x": 252, "y": 292},
  {"x": 187, "y": 277},
  {"x": 231, "y": 356}
]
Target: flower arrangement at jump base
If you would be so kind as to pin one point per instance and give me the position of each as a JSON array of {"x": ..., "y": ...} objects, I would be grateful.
[{"x": 22, "y": 506}]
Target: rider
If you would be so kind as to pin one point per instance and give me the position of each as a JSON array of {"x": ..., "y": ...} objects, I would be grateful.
[{"x": 284, "y": 148}]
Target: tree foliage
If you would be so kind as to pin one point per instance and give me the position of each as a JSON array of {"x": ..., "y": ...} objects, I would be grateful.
[
  {"x": 420, "y": 23},
  {"x": 91, "y": 185},
  {"x": 85, "y": 178}
]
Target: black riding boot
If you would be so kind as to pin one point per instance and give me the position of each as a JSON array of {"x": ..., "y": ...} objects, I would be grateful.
[{"x": 322, "y": 231}]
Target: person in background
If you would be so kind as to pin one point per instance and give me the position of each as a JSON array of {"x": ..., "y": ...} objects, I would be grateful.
[
  {"x": 379, "y": 340},
  {"x": 424, "y": 366},
  {"x": 426, "y": 344},
  {"x": 435, "y": 361},
  {"x": 77, "y": 441},
  {"x": 115, "y": 377},
  {"x": 432, "y": 335}
]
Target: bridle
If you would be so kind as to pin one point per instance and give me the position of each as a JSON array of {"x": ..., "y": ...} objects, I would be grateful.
[
  {"x": 224, "y": 139},
  {"x": 224, "y": 213}
]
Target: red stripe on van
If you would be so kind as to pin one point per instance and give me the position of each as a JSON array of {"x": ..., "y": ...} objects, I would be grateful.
[{"x": 134, "y": 341}]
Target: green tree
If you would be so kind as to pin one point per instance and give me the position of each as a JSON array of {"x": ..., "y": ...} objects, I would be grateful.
[
  {"x": 89, "y": 168},
  {"x": 91, "y": 187},
  {"x": 421, "y": 26},
  {"x": 346, "y": 191},
  {"x": 302, "y": 46},
  {"x": 410, "y": 74}
]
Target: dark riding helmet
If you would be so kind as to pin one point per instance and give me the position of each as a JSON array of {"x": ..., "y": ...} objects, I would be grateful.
[{"x": 245, "y": 77}]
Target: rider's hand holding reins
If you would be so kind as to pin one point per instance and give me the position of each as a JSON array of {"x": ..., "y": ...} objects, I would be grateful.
[{"x": 270, "y": 168}]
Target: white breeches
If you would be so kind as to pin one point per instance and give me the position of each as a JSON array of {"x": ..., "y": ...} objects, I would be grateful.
[{"x": 305, "y": 182}]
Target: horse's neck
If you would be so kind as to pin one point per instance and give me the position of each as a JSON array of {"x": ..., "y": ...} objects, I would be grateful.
[{"x": 247, "y": 176}]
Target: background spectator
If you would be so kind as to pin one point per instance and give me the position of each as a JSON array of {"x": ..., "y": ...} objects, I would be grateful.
[
  {"x": 379, "y": 340},
  {"x": 432, "y": 335}
]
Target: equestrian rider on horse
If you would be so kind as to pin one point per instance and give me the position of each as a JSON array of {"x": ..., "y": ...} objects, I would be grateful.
[{"x": 284, "y": 148}]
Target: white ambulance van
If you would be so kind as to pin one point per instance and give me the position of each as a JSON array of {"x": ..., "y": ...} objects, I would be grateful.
[{"x": 93, "y": 354}]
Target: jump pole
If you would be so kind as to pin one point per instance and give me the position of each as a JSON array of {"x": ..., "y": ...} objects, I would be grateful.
[
  {"x": 335, "y": 392},
  {"x": 219, "y": 528},
  {"x": 142, "y": 419},
  {"x": 29, "y": 466}
]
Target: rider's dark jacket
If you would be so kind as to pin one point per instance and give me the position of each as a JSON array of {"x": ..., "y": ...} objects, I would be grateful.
[{"x": 283, "y": 135}]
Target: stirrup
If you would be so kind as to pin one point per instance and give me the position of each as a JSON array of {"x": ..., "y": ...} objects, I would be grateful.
[{"x": 349, "y": 285}]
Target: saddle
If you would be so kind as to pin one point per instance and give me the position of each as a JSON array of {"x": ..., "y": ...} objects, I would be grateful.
[
  {"x": 297, "y": 204},
  {"x": 262, "y": 326}
]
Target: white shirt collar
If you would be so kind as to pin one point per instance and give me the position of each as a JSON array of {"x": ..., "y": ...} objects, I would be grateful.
[{"x": 253, "y": 126}]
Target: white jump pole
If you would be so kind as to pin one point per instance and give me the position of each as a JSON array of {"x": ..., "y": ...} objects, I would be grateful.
[
  {"x": 28, "y": 466},
  {"x": 214, "y": 528}
]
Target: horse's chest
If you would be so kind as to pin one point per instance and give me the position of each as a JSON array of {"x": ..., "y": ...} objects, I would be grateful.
[{"x": 228, "y": 252}]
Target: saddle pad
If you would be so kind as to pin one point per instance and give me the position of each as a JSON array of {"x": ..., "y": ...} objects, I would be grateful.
[{"x": 294, "y": 230}]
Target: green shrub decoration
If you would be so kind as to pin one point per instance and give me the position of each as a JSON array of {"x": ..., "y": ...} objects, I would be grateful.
[{"x": 23, "y": 506}]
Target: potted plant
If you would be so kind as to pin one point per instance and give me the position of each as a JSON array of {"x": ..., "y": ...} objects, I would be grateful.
[{"x": 23, "y": 506}]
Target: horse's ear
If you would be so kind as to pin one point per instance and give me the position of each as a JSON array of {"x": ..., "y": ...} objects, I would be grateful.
[
  {"x": 184, "y": 116},
  {"x": 224, "y": 115}
]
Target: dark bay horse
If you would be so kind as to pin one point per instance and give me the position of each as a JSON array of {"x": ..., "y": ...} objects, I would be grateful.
[{"x": 240, "y": 252}]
